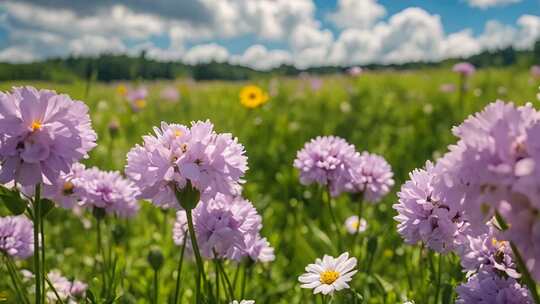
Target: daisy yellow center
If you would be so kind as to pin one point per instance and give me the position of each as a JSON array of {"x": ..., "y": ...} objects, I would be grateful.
[
  {"x": 356, "y": 225},
  {"x": 329, "y": 276},
  {"x": 36, "y": 125}
]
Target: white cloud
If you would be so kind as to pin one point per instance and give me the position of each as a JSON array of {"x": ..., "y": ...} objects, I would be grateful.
[
  {"x": 16, "y": 54},
  {"x": 497, "y": 36},
  {"x": 483, "y": 4},
  {"x": 460, "y": 44},
  {"x": 529, "y": 31},
  {"x": 260, "y": 58},
  {"x": 206, "y": 53},
  {"x": 95, "y": 45},
  {"x": 357, "y": 13}
]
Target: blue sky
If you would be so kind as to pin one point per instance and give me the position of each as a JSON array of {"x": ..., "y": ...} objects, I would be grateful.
[{"x": 265, "y": 33}]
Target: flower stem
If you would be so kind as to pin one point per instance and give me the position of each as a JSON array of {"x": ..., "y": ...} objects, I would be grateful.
[
  {"x": 226, "y": 278},
  {"x": 359, "y": 213},
  {"x": 15, "y": 279},
  {"x": 102, "y": 256},
  {"x": 37, "y": 263},
  {"x": 198, "y": 258},
  {"x": 156, "y": 286},
  {"x": 334, "y": 219},
  {"x": 177, "y": 289},
  {"x": 42, "y": 248}
]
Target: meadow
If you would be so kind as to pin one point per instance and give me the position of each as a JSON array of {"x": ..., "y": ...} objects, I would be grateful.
[{"x": 403, "y": 116}]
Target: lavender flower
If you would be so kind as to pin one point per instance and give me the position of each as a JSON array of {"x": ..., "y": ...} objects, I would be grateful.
[
  {"x": 170, "y": 93},
  {"x": 68, "y": 189},
  {"x": 68, "y": 291},
  {"x": 422, "y": 216},
  {"x": 43, "y": 134},
  {"x": 16, "y": 236},
  {"x": 372, "y": 177},
  {"x": 487, "y": 286},
  {"x": 111, "y": 192},
  {"x": 535, "y": 71},
  {"x": 355, "y": 71},
  {"x": 258, "y": 249},
  {"x": 327, "y": 161},
  {"x": 213, "y": 163},
  {"x": 464, "y": 68},
  {"x": 221, "y": 225}
]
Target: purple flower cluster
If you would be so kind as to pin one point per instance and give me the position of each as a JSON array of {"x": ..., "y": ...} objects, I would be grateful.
[
  {"x": 423, "y": 216},
  {"x": 464, "y": 68},
  {"x": 491, "y": 169},
  {"x": 487, "y": 286},
  {"x": 41, "y": 135},
  {"x": 109, "y": 191},
  {"x": 372, "y": 177},
  {"x": 226, "y": 227},
  {"x": 332, "y": 162},
  {"x": 16, "y": 236},
  {"x": 70, "y": 292},
  {"x": 68, "y": 189},
  {"x": 213, "y": 163}
]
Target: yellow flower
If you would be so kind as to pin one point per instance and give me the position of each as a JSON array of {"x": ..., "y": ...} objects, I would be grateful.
[
  {"x": 121, "y": 90},
  {"x": 252, "y": 96},
  {"x": 140, "y": 103}
]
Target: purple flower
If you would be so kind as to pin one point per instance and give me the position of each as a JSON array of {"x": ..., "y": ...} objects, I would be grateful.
[
  {"x": 213, "y": 163},
  {"x": 327, "y": 161},
  {"x": 487, "y": 286},
  {"x": 258, "y": 249},
  {"x": 221, "y": 225},
  {"x": 139, "y": 93},
  {"x": 42, "y": 135},
  {"x": 423, "y": 216},
  {"x": 68, "y": 291},
  {"x": 16, "y": 236},
  {"x": 68, "y": 188},
  {"x": 372, "y": 177},
  {"x": 447, "y": 88},
  {"x": 464, "y": 68},
  {"x": 111, "y": 192},
  {"x": 170, "y": 93},
  {"x": 486, "y": 250},
  {"x": 535, "y": 71},
  {"x": 355, "y": 71}
]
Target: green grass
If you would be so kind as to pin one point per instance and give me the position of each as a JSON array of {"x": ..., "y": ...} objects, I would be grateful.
[{"x": 401, "y": 115}]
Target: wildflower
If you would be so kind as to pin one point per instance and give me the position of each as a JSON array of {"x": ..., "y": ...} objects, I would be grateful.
[
  {"x": 372, "y": 177},
  {"x": 252, "y": 96},
  {"x": 170, "y": 93},
  {"x": 487, "y": 286},
  {"x": 243, "y": 302},
  {"x": 16, "y": 236},
  {"x": 327, "y": 161},
  {"x": 42, "y": 135},
  {"x": 447, "y": 88},
  {"x": 70, "y": 292},
  {"x": 535, "y": 71},
  {"x": 258, "y": 249},
  {"x": 355, "y": 71},
  {"x": 464, "y": 68},
  {"x": 212, "y": 163},
  {"x": 68, "y": 188},
  {"x": 422, "y": 216},
  {"x": 111, "y": 192},
  {"x": 221, "y": 225},
  {"x": 355, "y": 225},
  {"x": 121, "y": 90},
  {"x": 137, "y": 98},
  {"x": 329, "y": 274}
]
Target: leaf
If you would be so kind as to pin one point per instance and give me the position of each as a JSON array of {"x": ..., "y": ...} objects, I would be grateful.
[
  {"x": 386, "y": 287},
  {"x": 13, "y": 201},
  {"x": 447, "y": 294}
]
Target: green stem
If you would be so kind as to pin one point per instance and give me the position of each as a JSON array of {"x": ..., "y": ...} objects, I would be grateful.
[
  {"x": 360, "y": 211},
  {"x": 102, "y": 256},
  {"x": 244, "y": 282},
  {"x": 37, "y": 263},
  {"x": 226, "y": 277},
  {"x": 15, "y": 279},
  {"x": 438, "y": 287},
  {"x": 198, "y": 258},
  {"x": 334, "y": 220},
  {"x": 156, "y": 286},
  {"x": 51, "y": 286},
  {"x": 43, "y": 270},
  {"x": 217, "y": 275},
  {"x": 180, "y": 263}
]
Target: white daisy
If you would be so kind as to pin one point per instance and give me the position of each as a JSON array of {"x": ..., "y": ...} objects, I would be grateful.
[
  {"x": 243, "y": 302},
  {"x": 354, "y": 225},
  {"x": 329, "y": 274}
]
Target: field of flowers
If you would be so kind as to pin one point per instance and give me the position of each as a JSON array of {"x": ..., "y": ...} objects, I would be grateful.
[{"x": 116, "y": 237}]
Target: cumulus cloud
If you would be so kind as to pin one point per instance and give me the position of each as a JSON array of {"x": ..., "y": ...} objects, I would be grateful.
[
  {"x": 205, "y": 53},
  {"x": 357, "y": 13},
  {"x": 260, "y": 58},
  {"x": 484, "y": 4},
  {"x": 460, "y": 44}
]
